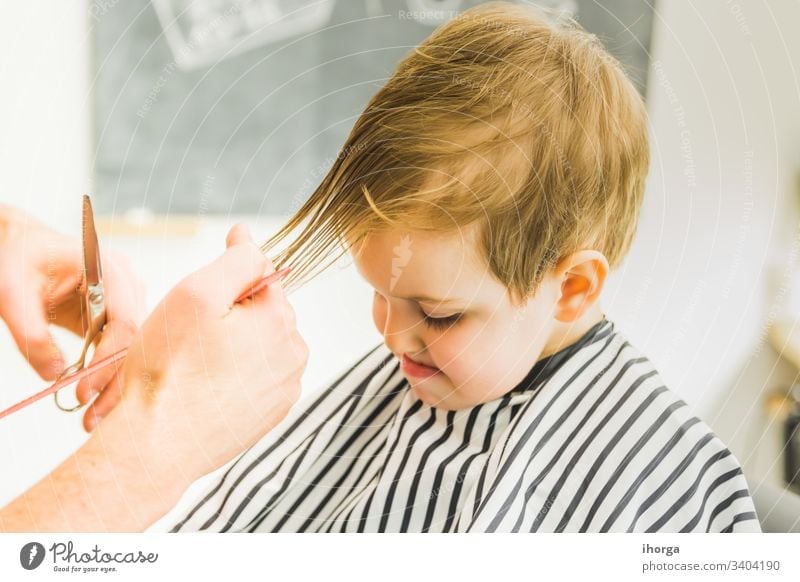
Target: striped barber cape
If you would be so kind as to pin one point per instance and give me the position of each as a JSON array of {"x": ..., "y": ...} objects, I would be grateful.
[{"x": 590, "y": 440}]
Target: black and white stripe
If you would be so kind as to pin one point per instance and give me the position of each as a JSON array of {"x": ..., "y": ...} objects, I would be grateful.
[{"x": 590, "y": 440}]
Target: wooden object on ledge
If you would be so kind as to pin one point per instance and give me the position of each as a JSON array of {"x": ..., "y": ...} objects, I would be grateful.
[
  {"x": 784, "y": 337},
  {"x": 155, "y": 226}
]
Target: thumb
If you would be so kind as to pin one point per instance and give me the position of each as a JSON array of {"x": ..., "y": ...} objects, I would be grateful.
[
  {"x": 237, "y": 235},
  {"x": 27, "y": 324},
  {"x": 240, "y": 267}
]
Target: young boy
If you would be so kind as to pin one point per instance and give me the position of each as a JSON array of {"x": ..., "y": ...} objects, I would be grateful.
[{"x": 485, "y": 193}]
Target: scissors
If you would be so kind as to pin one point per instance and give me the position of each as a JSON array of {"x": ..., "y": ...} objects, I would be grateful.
[
  {"x": 93, "y": 304},
  {"x": 93, "y": 307}
]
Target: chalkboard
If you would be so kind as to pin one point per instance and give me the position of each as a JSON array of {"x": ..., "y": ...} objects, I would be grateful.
[{"x": 240, "y": 106}]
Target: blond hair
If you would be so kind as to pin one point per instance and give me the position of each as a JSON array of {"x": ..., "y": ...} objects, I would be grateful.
[{"x": 503, "y": 121}]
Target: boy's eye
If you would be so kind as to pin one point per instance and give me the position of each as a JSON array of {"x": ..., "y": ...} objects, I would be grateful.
[{"x": 440, "y": 322}]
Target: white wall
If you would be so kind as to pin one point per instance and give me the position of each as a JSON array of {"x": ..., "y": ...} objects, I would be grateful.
[
  {"x": 44, "y": 167},
  {"x": 694, "y": 295},
  {"x": 720, "y": 216},
  {"x": 44, "y": 108}
]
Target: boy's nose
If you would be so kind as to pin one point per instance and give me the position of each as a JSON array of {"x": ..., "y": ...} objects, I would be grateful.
[{"x": 401, "y": 332}]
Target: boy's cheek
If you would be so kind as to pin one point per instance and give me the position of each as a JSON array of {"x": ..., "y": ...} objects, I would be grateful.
[
  {"x": 379, "y": 314},
  {"x": 491, "y": 375},
  {"x": 464, "y": 370}
]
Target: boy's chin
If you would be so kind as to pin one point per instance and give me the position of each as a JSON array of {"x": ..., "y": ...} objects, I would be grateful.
[
  {"x": 437, "y": 391},
  {"x": 429, "y": 389}
]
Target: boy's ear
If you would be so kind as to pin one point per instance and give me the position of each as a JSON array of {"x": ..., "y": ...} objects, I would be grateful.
[{"x": 582, "y": 275}]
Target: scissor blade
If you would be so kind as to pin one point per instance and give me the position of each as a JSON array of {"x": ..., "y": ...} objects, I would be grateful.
[{"x": 91, "y": 248}]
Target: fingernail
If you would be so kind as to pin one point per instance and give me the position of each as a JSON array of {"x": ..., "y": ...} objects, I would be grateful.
[
  {"x": 93, "y": 421},
  {"x": 88, "y": 395}
]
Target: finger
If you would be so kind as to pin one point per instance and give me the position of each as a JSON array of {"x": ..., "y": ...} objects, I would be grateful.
[
  {"x": 238, "y": 234},
  {"x": 243, "y": 267},
  {"x": 117, "y": 335},
  {"x": 124, "y": 290},
  {"x": 26, "y": 321},
  {"x": 237, "y": 271},
  {"x": 103, "y": 404},
  {"x": 124, "y": 305},
  {"x": 217, "y": 285},
  {"x": 282, "y": 314}
]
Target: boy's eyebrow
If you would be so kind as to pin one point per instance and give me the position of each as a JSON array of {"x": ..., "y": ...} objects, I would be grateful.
[
  {"x": 423, "y": 298},
  {"x": 427, "y": 299}
]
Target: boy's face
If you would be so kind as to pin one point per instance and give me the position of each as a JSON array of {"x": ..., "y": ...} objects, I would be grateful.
[{"x": 437, "y": 304}]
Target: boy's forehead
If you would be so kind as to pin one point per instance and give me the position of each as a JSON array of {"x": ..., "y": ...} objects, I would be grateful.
[
  {"x": 437, "y": 264},
  {"x": 424, "y": 248}
]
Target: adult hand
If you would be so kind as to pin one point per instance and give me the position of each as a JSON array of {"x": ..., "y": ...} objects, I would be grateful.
[
  {"x": 203, "y": 380},
  {"x": 40, "y": 284},
  {"x": 206, "y": 378}
]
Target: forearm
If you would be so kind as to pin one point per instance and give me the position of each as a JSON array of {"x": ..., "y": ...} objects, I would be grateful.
[
  {"x": 106, "y": 485},
  {"x": 9, "y": 215},
  {"x": 6, "y": 212}
]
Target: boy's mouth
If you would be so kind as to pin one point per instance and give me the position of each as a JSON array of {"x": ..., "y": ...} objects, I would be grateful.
[{"x": 416, "y": 369}]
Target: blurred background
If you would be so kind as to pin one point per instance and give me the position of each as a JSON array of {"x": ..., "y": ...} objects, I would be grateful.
[{"x": 181, "y": 117}]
